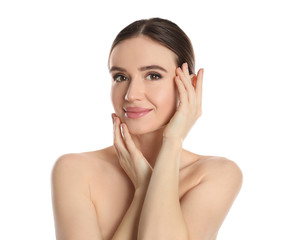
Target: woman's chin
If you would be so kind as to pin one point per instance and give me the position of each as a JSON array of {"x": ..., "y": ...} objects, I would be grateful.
[{"x": 137, "y": 130}]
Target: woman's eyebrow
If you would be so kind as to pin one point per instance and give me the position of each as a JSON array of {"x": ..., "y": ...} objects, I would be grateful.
[
  {"x": 114, "y": 68},
  {"x": 152, "y": 67},
  {"x": 144, "y": 68}
]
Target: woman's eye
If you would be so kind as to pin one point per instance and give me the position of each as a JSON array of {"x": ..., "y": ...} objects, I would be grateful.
[
  {"x": 153, "y": 76},
  {"x": 120, "y": 78}
]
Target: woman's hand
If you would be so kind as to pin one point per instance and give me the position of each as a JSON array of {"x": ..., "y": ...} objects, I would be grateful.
[
  {"x": 130, "y": 157},
  {"x": 190, "y": 104}
]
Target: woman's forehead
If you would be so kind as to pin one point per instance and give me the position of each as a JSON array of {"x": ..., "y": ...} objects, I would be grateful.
[{"x": 141, "y": 51}]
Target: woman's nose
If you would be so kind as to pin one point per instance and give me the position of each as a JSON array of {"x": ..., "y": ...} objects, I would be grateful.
[{"x": 135, "y": 90}]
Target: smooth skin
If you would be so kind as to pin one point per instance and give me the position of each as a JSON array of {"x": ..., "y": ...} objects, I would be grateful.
[{"x": 146, "y": 186}]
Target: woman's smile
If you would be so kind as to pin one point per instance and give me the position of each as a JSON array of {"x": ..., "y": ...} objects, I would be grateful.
[{"x": 136, "y": 112}]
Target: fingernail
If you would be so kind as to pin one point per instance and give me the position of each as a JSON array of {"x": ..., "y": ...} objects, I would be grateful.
[
  {"x": 113, "y": 117},
  {"x": 122, "y": 129}
]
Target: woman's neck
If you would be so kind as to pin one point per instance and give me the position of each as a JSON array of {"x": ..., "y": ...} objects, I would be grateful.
[{"x": 149, "y": 144}]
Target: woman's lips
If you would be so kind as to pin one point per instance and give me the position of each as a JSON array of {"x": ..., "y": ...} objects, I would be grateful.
[{"x": 136, "y": 112}]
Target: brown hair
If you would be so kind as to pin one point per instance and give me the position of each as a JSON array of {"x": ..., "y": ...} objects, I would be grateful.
[{"x": 166, "y": 33}]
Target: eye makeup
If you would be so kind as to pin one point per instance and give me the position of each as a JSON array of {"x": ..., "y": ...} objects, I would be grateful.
[
  {"x": 120, "y": 78},
  {"x": 153, "y": 76}
]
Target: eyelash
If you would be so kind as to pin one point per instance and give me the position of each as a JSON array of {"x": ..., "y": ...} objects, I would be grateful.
[
  {"x": 156, "y": 76},
  {"x": 119, "y": 75}
]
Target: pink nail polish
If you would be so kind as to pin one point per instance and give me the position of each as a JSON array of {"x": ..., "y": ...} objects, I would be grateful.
[{"x": 114, "y": 119}]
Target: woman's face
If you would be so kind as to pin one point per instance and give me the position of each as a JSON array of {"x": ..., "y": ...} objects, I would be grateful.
[{"x": 143, "y": 87}]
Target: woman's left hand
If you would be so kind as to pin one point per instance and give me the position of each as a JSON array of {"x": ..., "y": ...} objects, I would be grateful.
[
  {"x": 130, "y": 157},
  {"x": 190, "y": 104}
]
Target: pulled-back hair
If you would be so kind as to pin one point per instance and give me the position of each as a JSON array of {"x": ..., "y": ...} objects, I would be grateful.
[{"x": 166, "y": 33}]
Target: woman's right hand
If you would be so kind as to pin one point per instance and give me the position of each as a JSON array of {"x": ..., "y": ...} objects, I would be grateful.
[{"x": 130, "y": 157}]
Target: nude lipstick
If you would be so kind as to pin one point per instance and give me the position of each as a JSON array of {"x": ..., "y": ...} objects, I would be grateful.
[{"x": 136, "y": 112}]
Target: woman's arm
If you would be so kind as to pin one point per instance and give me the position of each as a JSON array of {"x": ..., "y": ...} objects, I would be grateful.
[
  {"x": 161, "y": 216},
  {"x": 139, "y": 172},
  {"x": 128, "y": 228},
  {"x": 206, "y": 205},
  {"x": 199, "y": 214},
  {"x": 74, "y": 213}
]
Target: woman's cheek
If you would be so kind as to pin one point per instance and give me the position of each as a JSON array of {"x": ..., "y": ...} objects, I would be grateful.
[
  {"x": 166, "y": 99},
  {"x": 117, "y": 100}
]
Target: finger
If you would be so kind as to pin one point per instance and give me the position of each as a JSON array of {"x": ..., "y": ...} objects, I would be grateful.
[
  {"x": 135, "y": 153},
  {"x": 113, "y": 115},
  {"x": 193, "y": 80},
  {"x": 118, "y": 139},
  {"x": 183, "y": 96},
  {"x": 115, "y": 138},
  {"x": 186, "y": 79},
  {"x": 199, "y": 86},
  {"x": 185, "y": 69},
  {"x": 132, "y": 148},
  {"x": 193, "y": 77}
]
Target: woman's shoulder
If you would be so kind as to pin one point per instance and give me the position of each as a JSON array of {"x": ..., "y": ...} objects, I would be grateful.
[
  {"x": 84, "y": 157},
  {"x": 208, "y": 161},
  {"x": 211, "y": 168},
  {"x": 221, "y": 165},
  {"x": 206, "y": 167},
  {"x": 85, "y": 162},
  {"x": 81, "y": 182}
]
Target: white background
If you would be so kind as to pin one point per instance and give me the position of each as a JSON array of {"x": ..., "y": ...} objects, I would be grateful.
[{"x": 55, "y": 99}]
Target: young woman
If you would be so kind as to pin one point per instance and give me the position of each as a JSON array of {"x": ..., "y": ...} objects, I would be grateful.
[{"x": 146, "y": 186}]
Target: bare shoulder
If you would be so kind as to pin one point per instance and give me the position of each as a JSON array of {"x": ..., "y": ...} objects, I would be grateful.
[
  {"x": 70, "y": 161},
  {"x": 213, "y": 172},
  {"x": 69, "y": 164},
  {"x": 220, "y": 167},
  {"x": 84, "y": 162},
  {"x": 71, "y": 168},
  {"x": 79, "y": 170},
  {"x": 75, "y": 213},
  {"x": 205, "y": 204},
  {"x": 198, "y": 169}
]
